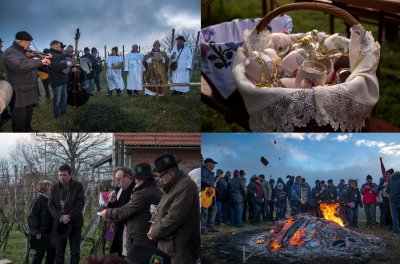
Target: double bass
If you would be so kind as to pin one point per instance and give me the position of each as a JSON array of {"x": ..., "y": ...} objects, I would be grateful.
[{"x": 77, "y": 95}]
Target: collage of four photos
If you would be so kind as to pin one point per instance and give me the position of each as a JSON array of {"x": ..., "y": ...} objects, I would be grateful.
[{"x": 200, "y": 131}]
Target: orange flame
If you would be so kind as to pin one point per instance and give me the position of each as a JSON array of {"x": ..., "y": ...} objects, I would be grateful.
[
  {"x": 296, "y": 239},
  {"x": 260, "y": 241},
  {"x": 329, "y": 211},
  {"x": 275, "y": 245}
]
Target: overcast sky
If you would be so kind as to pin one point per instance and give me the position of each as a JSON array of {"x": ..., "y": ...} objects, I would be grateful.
[
  {"x": 101, "y": 22},
  {"x": 314, "y": 156}
]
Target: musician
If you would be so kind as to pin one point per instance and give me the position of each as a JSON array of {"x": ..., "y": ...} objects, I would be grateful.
[
  {"x": 58, "y": 79},
  {"x": 91, "y": 60},
  {"x": 98, "y": 67},
  {"x": 114, "y": 78},
  {"x": 21, "y": 73},
  {"x": 176, "y": 223},
  {"x": 156, "y": 62},
  {"x": 182, "y": 54},
  {"x": 208, "y": 214},
  {"x": 66, "y": 205},
  {"x": 44, "y": 76},
  {"x": 134, "y": 66}
]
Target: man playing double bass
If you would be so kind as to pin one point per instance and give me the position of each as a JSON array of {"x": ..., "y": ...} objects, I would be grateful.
[{"x": 20, "y": 71}]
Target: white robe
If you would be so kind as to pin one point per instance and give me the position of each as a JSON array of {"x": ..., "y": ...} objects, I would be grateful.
[
  {"x": 114, "y": 76},
  {"x": 134, "y": 65},
  {"x": 182, "y": 74}
]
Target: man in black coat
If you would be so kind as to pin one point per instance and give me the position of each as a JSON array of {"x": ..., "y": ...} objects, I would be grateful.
[
  {"x": 121, "y": 196},
  {"x": 58, "y": 77},
  {"x": 66, "y": 205}
]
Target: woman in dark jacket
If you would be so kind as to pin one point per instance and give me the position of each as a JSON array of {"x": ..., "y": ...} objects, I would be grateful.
[
  {"x": 40, "y": 223},
  {"x": 137, "y": 211}
]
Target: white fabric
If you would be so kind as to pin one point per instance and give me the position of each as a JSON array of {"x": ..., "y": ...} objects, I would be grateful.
[
  {"x": 220, "y": 36},
  {"x": 5, "y": 95},
  {"x": 344, "y": 106},
  {"x": 182, "y": 73},
  {"x": 114, "y": 76},
  {"x": 125, "y": 241},
  {"x": 134, "y": 65},
  {"x": 281, "y": 23}
]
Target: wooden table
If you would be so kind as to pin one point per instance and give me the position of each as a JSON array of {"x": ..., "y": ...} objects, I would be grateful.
[{"x": 234, "y": 110}]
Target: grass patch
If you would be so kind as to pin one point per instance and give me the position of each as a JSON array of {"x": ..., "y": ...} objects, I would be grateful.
[
  {"x": 389, "y": 101},
  {"x": 103, "y": 113}
]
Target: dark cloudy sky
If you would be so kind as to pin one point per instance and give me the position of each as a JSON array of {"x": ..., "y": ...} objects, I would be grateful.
[
  {"x": 101, "y": 22},
  {"x": 314, "y": 156}
]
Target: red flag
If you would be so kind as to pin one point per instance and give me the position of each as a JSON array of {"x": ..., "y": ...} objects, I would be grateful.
[{"x": 385, "y": 178}]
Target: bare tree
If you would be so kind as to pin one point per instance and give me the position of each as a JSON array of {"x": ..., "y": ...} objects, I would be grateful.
[
  {"x": 189, "y": 34},
  {"x": 79, "y": 150}
]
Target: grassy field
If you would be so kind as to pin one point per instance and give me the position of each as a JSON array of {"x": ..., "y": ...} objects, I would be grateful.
[
  {"x": 389, "y": 102},
  {"x": 103, "y": 113},
  {"x": 15, "y": 249}
]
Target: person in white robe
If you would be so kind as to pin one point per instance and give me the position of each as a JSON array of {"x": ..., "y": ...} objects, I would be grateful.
[
  {"x": 182, "y": 54},
  {"x": 114, "y": 72},
  {"x": 134, "y": 68}
]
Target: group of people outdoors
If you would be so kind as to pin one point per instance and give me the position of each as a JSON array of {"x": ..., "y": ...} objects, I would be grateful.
[
  {"x": 151, "y": 220},
  {"x": 21, "y": 68},
  {"x": 237, "y": 199}
]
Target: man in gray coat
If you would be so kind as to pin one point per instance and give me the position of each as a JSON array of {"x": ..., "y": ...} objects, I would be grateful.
[
  {"x": 176, "y": 225},
  {"x": 21, "y": 74}
]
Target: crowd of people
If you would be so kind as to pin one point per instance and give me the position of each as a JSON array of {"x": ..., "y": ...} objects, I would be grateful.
[
  {"x": 236, "y": 199},
  {"x": 20, "y": 68},
  {"x": 146, "y": 221}
]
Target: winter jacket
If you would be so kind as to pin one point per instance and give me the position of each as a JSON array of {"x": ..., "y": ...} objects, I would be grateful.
[
  {"x": 255, "y": 193},
  {"x": 353, "y": 196},
  {"x": 393, "y": 187},
  {"x": 267, "y": 190},
  {"x": 207, "y": 177},
  {"x": 39, "y": 218},
  {"x": 332, "y": 193},
  {"x": 341, "y": 192},
  {"x": 236, "y": 190},
  {"x": 281, "y": 197},
  {"x": 116, "y": 245},
  {"x": 369, "y": 196},
  {"x": 56, "y": 75},
  {"x": 221, "y": 190},
  {"x": 177, "y": 225},
  {"x": 136, "y": 213},
  {"x": 22, "y": 75},
  {"x": 75, "y": 201}
]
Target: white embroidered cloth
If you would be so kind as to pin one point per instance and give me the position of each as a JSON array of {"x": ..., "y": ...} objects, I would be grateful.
[{"x": 344, "y": 106}]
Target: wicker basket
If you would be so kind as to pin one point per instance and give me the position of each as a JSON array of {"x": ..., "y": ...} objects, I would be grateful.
[{"x": 343, "y": 106}]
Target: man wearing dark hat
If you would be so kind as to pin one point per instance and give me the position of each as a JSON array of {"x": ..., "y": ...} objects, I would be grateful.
[
  {"x": 21, "y": 74},
  {"x": 120, "y": 197},
  {"x": 208, "y": 215},
  {"x": 91, "y": 60},
  {"x": 58, "y": 79},
  {"x": 66, "y": 204},
  {"x": 98, "y": 68},
  {"x": 182, "y": 55},
  {"x": 137, "y": 212},
  {"x": 176, "y": 225},
  {"x": 156, "y": 63}
]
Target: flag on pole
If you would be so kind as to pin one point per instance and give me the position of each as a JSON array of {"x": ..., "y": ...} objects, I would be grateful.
[{"x": 385, "y": 178}]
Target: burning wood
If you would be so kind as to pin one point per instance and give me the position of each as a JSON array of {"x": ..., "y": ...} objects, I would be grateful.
[
  {"x": 305, "y": 235},
  {"x": 329, "y": 211}
]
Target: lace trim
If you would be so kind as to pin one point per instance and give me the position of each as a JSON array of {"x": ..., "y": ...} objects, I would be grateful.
[
  {"x": 298, "y": 108},
  {"x": 362, "y": 42},
  {"x": 254, "y": 41}
]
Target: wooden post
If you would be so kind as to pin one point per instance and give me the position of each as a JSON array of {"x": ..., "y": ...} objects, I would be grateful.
[
  {"x": 123, "y": 53},
  {"x": 105, "y": 52},
  {"x": 196, "y": 49},
  {"x": 172, "y": 39}
]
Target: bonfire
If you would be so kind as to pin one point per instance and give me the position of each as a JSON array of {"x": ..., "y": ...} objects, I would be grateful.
[{"x": 305, "y": 235}]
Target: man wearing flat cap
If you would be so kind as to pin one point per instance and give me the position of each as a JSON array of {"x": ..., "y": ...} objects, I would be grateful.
[
  {"x": 176, "y": 225},
  {"x": 137, "y": 211},
  {"x": 21, "y": 74},
  {"x": 207, "y": 181},
  {"x": 156, "y": 63},
  {"x": 182, "y": 55}
]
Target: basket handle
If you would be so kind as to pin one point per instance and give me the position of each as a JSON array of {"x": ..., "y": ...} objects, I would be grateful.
[{"x": 346, "y": 16}]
